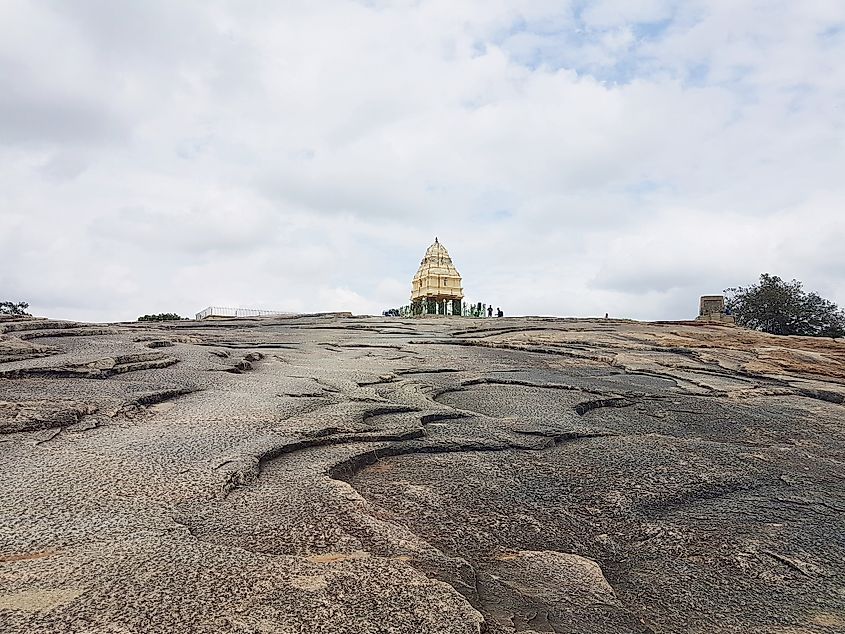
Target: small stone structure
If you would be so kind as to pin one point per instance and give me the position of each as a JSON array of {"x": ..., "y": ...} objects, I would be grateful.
[
  {"x": 436, "y": 288},
  {"x": 712, "y": 308}
]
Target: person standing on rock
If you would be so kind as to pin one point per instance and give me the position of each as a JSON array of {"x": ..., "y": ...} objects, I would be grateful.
[{"x": 490, "y": 311}]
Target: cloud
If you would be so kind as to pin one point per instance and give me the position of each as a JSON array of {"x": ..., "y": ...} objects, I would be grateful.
[{"x": 620, "y": 157}]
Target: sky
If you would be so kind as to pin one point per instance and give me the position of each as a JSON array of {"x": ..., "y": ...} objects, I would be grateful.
[{"x": 575, "y": 157}]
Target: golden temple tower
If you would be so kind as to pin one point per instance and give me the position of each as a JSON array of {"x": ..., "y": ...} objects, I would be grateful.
[{"x": 436, "y": 288}]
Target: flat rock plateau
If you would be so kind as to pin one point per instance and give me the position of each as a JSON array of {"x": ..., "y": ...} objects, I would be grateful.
[{"x": 330, "y": 474}]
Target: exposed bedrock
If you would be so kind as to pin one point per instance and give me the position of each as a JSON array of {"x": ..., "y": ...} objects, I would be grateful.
[
  {"x": 343, "y": 475},
  {"x": 34, "y": 415},
  {"x": 97, "y": 369}
]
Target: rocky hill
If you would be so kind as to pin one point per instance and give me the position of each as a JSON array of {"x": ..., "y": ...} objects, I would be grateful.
[{"x": 336, "y": 474}]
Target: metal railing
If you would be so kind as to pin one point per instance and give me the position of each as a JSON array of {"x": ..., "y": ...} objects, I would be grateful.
[{"x": 222, "y": 311}]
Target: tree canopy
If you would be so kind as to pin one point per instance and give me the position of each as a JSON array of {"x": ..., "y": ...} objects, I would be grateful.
[
  {"x": 13, "y": 308},
  {"x": 784, "y": 308},
  {"x": 161, "y": 317}
]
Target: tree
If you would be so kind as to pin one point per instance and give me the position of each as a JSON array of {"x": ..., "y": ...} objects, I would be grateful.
[
  {"x": 12, "y": 308},
  {"x": 161, "y": 317},
  {"x": 784, "y": 308}
]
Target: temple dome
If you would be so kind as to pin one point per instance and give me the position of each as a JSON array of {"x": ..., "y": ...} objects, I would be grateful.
[{"x": 437, "y": 278}]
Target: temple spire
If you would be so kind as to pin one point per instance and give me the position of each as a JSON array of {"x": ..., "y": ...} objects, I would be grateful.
[{"x": 437, "y": 283}]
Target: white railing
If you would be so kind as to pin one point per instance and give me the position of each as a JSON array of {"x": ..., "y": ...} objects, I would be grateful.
[{"x": 222, "y": 311}]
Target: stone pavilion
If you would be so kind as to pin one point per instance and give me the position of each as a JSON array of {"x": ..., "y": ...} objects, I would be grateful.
[{"x": 436, "y": 288}]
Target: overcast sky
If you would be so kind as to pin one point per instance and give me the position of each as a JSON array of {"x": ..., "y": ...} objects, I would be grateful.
[{"x": 575, "y": 158}]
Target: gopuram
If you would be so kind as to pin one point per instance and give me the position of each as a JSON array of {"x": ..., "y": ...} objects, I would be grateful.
[{"x": 436, "y": 288}]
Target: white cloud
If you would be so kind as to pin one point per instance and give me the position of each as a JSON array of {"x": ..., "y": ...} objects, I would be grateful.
[{"x": 626, "y": 157}]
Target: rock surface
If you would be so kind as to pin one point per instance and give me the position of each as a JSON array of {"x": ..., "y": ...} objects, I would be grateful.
[{"x": 337, "y": 474}]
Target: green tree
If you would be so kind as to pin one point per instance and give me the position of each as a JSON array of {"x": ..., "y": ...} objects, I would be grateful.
[
  {"x": 161, "y": 317},
  {"x": 784, "y": 308},
  {"x": 12, "y": 308}
]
